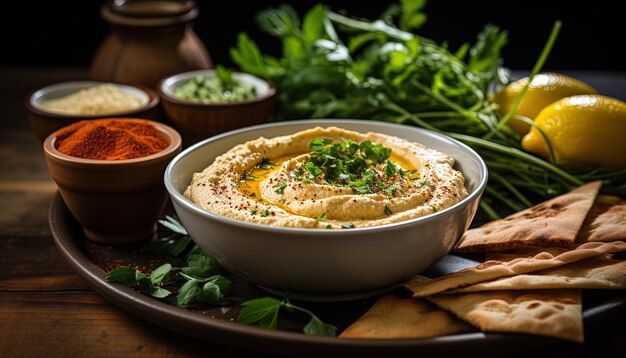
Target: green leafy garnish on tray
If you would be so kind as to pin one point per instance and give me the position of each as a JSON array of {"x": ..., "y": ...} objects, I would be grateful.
[
  {"x": 200, "y": 282},
  {"x": 263, "y": 312}
]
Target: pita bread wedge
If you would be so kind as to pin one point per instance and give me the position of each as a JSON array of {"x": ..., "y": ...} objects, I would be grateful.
[
  {"x": 593, "y": 273},
  {"x": 493, "y": 269},
  {"x": 555, "y": 222},
  {"x": 606, "y": 220},
  {"x": 393, "y": 317},
  {"x": 553, "y": 313}
]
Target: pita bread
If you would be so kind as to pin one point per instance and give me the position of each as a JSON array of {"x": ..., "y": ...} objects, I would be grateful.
[
  {"x": 493, "y": 269},
  {"x": 555, "y": 222},
  {"x": 593, "y": 273},
  {"x": 553, "y": 313},
  {"x": 393, "y": 317},
  {"x": 606, "y": 220}
]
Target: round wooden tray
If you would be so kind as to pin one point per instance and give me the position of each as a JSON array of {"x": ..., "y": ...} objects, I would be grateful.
[{"x": 217, "y": 324}]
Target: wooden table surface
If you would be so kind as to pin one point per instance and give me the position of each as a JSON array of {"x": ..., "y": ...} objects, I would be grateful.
[{"x": 47, "y": 310}]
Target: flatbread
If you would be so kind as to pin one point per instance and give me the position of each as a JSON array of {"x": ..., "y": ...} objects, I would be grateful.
[
  {"x": 493, "y": 269},
  {"x": 555, "y": 222},
  {"x": 553, "y": 313},
  {"x": 593, "y": 273},
  {"x": 393, "y": 317},
  {"x": 606, "y": 220}
]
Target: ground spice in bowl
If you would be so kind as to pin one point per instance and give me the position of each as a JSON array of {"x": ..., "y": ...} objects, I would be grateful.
[{"x": 110, "y": 139}]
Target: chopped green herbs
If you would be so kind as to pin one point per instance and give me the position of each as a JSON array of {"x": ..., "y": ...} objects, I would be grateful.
[
  {"x": 364, "y": 166},
  {"x": 387, "y": 211},
  {"x": 321, "y": 217},
  {"x": 248, "y": 177},
  {"x": 253, "y": 211},
  {"x": 264, "y": 213},
  {"x": 220, "y": 88},
  {"x": 348, "y": 226},
  {"x": 281, "y": 187},
  {"x": 266, "y": 164}
]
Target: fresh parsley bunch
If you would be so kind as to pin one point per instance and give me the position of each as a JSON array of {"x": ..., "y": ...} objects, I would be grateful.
[{"x": 335, "y": 66}]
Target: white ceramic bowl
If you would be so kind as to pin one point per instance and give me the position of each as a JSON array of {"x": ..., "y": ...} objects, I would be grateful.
[{"x": 325, "y": 264}]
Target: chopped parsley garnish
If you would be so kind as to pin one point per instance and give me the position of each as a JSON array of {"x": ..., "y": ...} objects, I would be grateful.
[
  {"x": 266, "y": 164},
  {"x": 364, "y": 167},
  {"x": 435, "y": 209},
  {"x": 281, "y": 187},
  {"x": 348, "y": 226},
  {"x": 387, "y": 211},
  {"x": 253, "y": 211},
  {"x": 329, "y": 226},
  {"x": 321, "y": 217},
  {"x": 264, "y": 213},
  {"x": 252, "y": 195},
  {"x": 391, "y": 169},
  {"x": 248, "y": 177},
  {"x": 283, "y": 201},
  {"x": 423, "y": 183}
]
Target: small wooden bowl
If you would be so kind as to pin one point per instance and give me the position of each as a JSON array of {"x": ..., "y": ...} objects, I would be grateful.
[
  {"x": 115, "y": 201},
  {"x": 197, "y": 121},
  {"x": 43, "y": 122}
]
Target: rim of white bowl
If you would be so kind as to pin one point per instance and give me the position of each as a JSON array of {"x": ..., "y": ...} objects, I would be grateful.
[{"x": 475, "y": 195}]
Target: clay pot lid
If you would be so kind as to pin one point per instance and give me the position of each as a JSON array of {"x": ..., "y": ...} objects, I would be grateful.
[{"x": 148, "y": 12}]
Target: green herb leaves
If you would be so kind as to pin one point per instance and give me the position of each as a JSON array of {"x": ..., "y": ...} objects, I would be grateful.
[
  {"x": 202, "y": 282},
  {"x": 150, "y": 284},
  {"x": 263, "y": 312},
  {"x": 266, "y": 164},
  {"x": 281, "y": 187},
  {"x": 348, "y": 163}
]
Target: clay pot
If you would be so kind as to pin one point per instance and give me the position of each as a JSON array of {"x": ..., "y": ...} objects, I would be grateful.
[{"x": 147, "y": 41}]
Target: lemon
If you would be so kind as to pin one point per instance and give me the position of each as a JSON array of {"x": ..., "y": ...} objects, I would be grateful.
[
  {"x": 584, "y": 130},
  {"x": 544, "y": 89}
]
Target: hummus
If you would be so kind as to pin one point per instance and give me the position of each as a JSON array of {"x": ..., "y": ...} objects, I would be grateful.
[{"x": 328, "y": 178}]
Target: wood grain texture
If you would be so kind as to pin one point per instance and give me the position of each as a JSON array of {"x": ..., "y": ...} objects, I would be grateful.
[{"x": 81, "y": 324}]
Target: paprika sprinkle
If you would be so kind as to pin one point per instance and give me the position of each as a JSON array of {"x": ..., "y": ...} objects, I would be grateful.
[{"x": 110, "y": 139}]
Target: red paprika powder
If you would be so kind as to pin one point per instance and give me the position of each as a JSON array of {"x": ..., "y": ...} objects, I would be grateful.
[{"x": 110, "y": 139}]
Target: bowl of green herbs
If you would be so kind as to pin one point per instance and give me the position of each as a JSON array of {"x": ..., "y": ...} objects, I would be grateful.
[{"x": 203, "y": 103}]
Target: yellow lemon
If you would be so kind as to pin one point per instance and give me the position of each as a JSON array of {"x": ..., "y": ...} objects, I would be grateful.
[
  {"x": 544, "y": 89},
  {"x": 584, "y": 131}
]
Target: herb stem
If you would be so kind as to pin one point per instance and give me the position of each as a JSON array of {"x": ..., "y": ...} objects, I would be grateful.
[
  {"x": 547, "y": 48},
  {"x": 499, "y": 178},
  {"x": 496, "y": 194},
  {"x": 492, "y": 214},
  {"x": 513, "y": 152}
]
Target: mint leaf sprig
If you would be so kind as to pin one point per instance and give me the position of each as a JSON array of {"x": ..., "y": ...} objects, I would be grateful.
[
  {"x": 150, "y": 283},
  {"x": 202, "y": 282},
  {"x": 263, "y": 312}
]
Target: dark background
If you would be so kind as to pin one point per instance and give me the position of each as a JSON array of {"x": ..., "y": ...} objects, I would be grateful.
[{"x": 592, "y": 37}]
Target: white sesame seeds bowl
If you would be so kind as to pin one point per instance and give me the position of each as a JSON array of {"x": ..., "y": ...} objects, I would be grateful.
[{"x": 318, "y": 264}]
